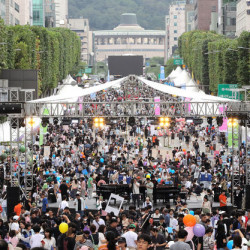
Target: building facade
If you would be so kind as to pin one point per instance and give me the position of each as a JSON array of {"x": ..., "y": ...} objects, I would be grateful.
[
  {"x": 242, "y": 16},
  {"x": 128, "y": 38},
  {"x": 26, "y": 12},
  {"x": 10, "y": 11},
  {"x": 175, "y": 26},
  {"x": 38, "y": 13},
  {"x": 61, "y": 13},
  {"x": 81, "y": 27},
  {"x": 203, "y": 10}
]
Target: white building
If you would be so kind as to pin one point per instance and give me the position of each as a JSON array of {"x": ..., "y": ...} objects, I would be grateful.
[
  {"x": 10, "y": 11},
  {"x": 61, "y": 13},
  {"x": 26, "y": 12},
  {"x": 242, "y": 16},
  {"x": 175, "y": 26}
]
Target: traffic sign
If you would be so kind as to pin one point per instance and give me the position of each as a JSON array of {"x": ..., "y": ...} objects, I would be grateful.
[
  {"x": 224, "y": 90},
  {"x": 176, "y": 56},
  {"x": 88, "y": 70},
  {"x": 178, "y": 61}
]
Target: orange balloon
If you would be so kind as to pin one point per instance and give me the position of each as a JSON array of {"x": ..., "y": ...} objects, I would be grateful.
[{"x": 189, "y": 220}]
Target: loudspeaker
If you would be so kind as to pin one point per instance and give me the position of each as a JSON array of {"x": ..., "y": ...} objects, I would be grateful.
[
  {"x": 10, "y": 108},
  {"x": 13, "y": 198},
  {"x": 247, "y": 197}
]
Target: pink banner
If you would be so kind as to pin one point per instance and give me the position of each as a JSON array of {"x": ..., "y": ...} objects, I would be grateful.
[
  {"x": 189, "y": 105},
  {"x": 157, "y": 106},
  {"x": 223, "y": 127}
]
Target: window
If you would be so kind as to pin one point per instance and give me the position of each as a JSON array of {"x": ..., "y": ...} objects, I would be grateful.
[
  {"x": 233, "y": 21},
  {"x": 213, "y": 8},
  {"x": 248, "y": 12},
  {"x": 175, "y": 31},
  {"x": 175, "y": 16},
  {"x": 175, "y": 39},
  {"x": 17, "y": 21},
  {"x": 175, "y": 24},
  {"x": 36, "y": 15},
  {"x": 16, "y": 7},
  {"x": 248, "y": 3}
]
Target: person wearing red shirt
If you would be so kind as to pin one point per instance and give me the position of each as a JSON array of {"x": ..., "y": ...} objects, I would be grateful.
[
  {"x": 17, "y": 209},
  {"x": 223, "y": 201}
]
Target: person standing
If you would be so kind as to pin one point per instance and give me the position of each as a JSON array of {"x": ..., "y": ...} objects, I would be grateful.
[
  {"x": 150, "y": 188},
  {"x": 136, "y": 192},
  {"x": 83, "y": 187},
  {"x": 79, "y": 204},
  {"x": 90, "y": 186},
  {"x": 64, "y": 189},
  {"x": 180, "y": 244},
  {"x": 45, "y": 204},
  {"x": 131, "y": 237},
  {"x": 223, "y": 201}
]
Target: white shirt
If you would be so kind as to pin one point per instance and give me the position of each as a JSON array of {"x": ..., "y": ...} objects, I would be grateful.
[
  {"x": 99, "y": 223},
  {"x": 63, "y": 205},
  {"x": 173, "y": 223},
  {"x": 49, "y": 243},
  {"x": 130, "y": 237},
  {"x": 136, "y": 188},
  {"x": 35, "y": 240},
  {"x": 14, "y": 226}
]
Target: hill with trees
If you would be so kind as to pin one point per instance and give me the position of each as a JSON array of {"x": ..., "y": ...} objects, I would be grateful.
[{"x": 105, "y": 14}]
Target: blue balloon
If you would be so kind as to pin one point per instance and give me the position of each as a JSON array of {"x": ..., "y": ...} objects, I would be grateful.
[
  {"x": 54, "y": 156},
  {"x": 230, "y": 244},
  {"x": 160, "y": 169},
  {"x": 54, "y": 172},
  {"x": 58, "y": 178},
  {"x": 191, "y": 212},
  {"x": 85, "y": 172},
  {"x": 28, "y": 172},
  {"x": 47, "y": 172},
  {"x": 15, "y": 174},
  {"x": 67, "y": 181},
  {"x": 101, "y": 160},
  {"x": 86, "y": 207},
  {"x": 172, "y": 171},
  {"x": 167, "y": 182},
  {"x": 159, "y": 180}
]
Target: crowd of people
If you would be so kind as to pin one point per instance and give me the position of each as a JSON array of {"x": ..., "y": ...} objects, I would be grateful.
[{"x": 76, "y": 160}]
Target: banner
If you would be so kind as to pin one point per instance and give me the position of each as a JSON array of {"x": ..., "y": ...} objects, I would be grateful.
[
  {"x": 43, "y": 131},
  {"x": 233, "y": 135},
  {"x": 157, "y": 106},
  {"x": 162, "y": 73}
]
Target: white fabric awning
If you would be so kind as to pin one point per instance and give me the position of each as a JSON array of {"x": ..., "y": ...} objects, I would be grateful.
[
  {"x": 71, "y": 93},
  {"x": 183, "y": 93},
  {"x": 182, "y": 79}
]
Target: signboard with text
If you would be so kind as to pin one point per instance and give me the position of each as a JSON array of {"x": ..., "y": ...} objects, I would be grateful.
[
  {"x": 224, "y": 91},
  {"x": 178, "y": 61}
]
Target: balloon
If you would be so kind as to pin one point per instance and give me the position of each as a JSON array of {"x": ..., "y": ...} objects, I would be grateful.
[
  {"x": 63, "y": 227},
  {"x": 159, "y": 180},
  {"x": 199, "y": 230},
  {"x": 189, "y": 220},
  {"x": 28, "y": 172},
  {"x": 54, "y": 156},
  {"x": 230, "y": 244},
  {"x": 101, "y": 160},
  {"x": 85, "y": 172},
  {"x": 173, "y": 171},
  {"x": 58, "y": 178},
  {"x": 148, "y": 176},
  {"x": 67, "y": 181},
  {"x": 190, "y": 233},
  {"x": 38, "y": 168},
  {"x": 47, "y": 172},
  {"x": 191, "y": 212},
  {"x": 54, "y": 172},
  {"x": 22, "y": 149}
]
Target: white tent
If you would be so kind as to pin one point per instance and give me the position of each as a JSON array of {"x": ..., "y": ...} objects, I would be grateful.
[
  {"x": 171, "y": 74},
  {"x": 176, "y": 73},
  {"x": 71, "y": 93},
  {"x": 182, "y": 92},
  {"x": 182, "y": 79},
  {"x": 192, "y": 86}
]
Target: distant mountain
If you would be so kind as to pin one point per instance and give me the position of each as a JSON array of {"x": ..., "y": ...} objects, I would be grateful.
[{"x": 105, "y": 14}]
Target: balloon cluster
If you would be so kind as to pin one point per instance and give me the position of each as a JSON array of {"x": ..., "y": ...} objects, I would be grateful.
[{"x": 192, "y": 228}]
